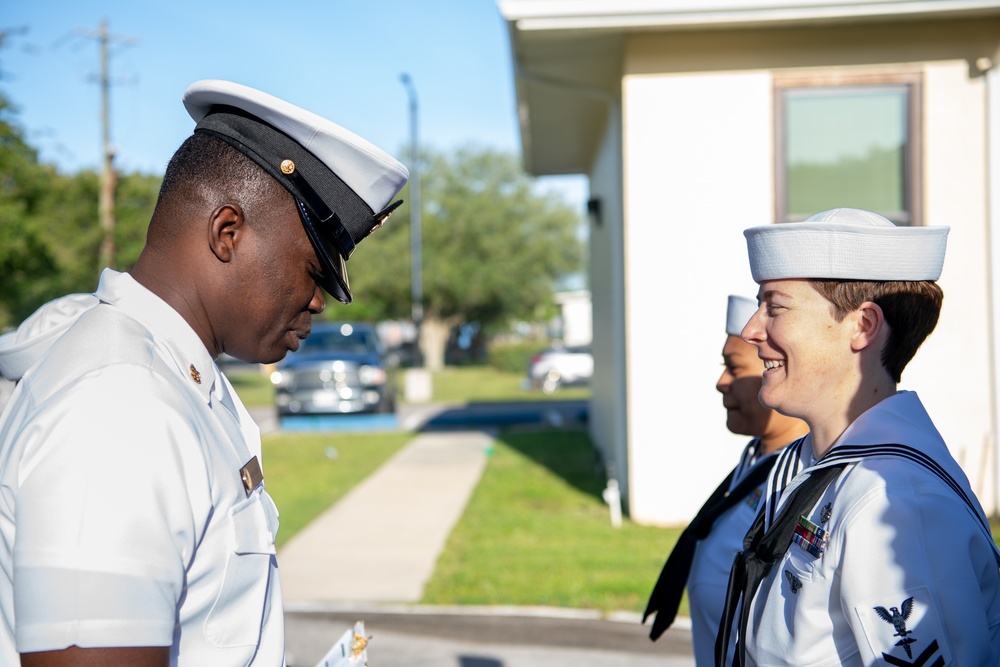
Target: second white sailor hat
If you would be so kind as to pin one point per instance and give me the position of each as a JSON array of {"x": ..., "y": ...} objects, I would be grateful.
[
  {"x": 342, "y": 184},
  {"x": 846, "y": 244},
  {"x": 739, "y": 312}
]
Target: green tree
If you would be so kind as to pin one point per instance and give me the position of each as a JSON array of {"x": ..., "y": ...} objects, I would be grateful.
[
  {"x": 26, "y": 261},
  {"x": 49, "y": 227},
  {"x": 492, "y": 249},
  {"x": 135, "y": 199}
]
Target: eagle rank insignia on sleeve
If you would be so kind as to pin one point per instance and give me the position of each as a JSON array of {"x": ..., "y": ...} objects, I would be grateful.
[
  {"x": 898, "y": 616},
  {"x": 905, "y": 633}
]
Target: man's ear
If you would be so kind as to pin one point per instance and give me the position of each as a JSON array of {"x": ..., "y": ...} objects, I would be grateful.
[
  {"x": 870, "y": 327},
  {"x": 225, "y": 226}
]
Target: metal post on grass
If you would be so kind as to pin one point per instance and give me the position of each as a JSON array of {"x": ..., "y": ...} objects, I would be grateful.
[
  {"x": 418, "y": 379},
  {"x": 613, "y": 497}
]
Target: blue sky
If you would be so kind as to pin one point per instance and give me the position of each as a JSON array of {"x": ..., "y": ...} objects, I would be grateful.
[{"x": 339, "y": 58}]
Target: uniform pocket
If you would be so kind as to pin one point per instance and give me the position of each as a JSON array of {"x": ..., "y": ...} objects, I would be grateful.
[
  {"x": 236, "y": 616},
  {"x": 797, "y": 567}
]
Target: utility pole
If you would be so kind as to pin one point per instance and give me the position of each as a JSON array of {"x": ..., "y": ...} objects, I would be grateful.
[
  {"x": 109, "y": 178},
  {"x": 416, "y": 259}
]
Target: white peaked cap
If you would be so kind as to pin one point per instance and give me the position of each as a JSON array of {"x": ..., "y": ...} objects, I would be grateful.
[
  {"x": 21, "y": 348},
  {"x": 371, "y": 173},
  {"x": 740, "y": 310},
  {"x": 343, "y": 185},
  {"x": 846, "y": 244}
]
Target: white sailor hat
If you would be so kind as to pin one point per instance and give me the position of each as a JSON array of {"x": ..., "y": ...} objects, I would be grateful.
[
  {"x": 739, "y": 312},
  {"x": 342, "y": 184},
  {"x": 846, "y": 244},
  {"x": 21, "y": 348}
]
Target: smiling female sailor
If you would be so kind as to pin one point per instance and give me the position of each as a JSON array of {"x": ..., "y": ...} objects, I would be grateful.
[{"x": 878, "y": 553}]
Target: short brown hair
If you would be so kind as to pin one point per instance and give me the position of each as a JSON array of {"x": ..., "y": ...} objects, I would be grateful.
[{"x": 911, "y": 310}]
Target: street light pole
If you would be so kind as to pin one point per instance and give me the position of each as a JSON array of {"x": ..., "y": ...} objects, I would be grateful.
[{"x": 416, "y": 278}]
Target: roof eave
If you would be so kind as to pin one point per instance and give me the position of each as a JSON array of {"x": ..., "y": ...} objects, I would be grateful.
[{"x": 611, "y": 15}]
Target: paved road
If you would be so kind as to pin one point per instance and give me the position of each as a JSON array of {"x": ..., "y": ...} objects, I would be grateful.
[{"x": 430, "y": 637}]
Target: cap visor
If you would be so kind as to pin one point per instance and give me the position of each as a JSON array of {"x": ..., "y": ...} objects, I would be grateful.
[{"x": 334, "y": 279}]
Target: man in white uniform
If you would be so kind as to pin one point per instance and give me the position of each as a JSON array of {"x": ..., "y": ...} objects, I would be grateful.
[
  {"x": 135, "y": 524},
  {"x": 878, "y": 553},
  {"x": 704, "y": 553}
]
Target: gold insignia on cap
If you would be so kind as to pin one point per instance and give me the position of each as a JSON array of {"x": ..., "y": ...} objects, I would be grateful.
[
  {"x": 379, "y": 221},
  {"x": 195, "y": 375},
  {"x": 287, "y": 167},
  {"x": 381, "y": 217}
]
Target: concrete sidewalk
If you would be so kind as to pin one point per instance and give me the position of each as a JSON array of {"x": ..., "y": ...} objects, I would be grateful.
[{"x": 380, "y": 542}]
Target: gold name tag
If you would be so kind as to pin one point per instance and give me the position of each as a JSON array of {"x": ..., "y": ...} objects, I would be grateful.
[{"x": 251, "y": 475}]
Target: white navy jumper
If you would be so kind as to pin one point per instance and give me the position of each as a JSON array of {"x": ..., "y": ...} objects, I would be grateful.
[
  {"x": 127, "y": 516},
  {"x": 706, "y": 584},
  {"x": 892, "y": 566}
]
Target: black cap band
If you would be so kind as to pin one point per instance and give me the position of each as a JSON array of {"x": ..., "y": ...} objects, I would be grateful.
[{"x": 270, "y": 147}]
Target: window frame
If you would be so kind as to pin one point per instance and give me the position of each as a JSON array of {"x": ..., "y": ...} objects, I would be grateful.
[{"x": 912, "y": 156}]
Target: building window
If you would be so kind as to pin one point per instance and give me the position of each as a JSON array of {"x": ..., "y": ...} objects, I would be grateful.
[{"x": 848, "y": 141}]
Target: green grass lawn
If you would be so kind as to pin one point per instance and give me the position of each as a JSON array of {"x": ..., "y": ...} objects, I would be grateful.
[
  {"x": 462, "y": 384},
  {"x": 306, "y": 473},
  {"x": 536, "y": 532}
]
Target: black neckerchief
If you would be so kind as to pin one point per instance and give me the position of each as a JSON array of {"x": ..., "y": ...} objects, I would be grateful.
[{"x": 666, "y": 595}]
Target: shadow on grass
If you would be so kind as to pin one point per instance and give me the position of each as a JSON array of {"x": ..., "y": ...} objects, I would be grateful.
[{"x": 566, "y": 453}]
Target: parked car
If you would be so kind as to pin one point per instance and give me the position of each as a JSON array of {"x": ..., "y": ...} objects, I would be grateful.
[
  {"x": 559, "y": 367},
  {"x": 342, "y": 367}
]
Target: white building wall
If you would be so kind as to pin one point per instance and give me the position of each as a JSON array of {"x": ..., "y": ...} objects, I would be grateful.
[
  {"x": 951, "y": 370},
  {"x": 992, "y": 84},
  {"x": 607, "y": 425},
  {"x": 698, "y": 169}
]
